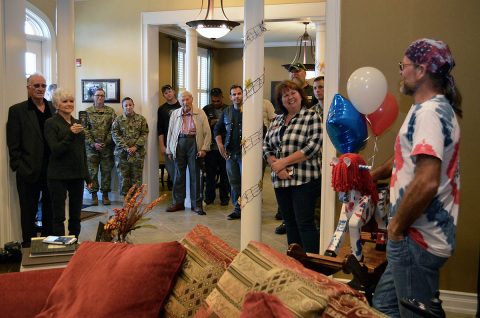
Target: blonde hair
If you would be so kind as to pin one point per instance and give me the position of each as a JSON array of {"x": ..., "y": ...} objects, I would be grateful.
[{"x": 61, "y": 94}]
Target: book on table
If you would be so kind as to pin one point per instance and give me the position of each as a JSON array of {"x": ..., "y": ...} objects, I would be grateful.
[
  {"x": 60, "y": 240},
  {"x": 40, "y": 249},
  {"x": 43, "y": 262}
]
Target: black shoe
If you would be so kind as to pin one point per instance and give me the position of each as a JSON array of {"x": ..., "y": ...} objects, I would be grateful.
[
  {"x": 234, "y": 216},
  {"x": 199, "y": 211},
  {"x": 281, "y": 229},
  {"x": 224, "y": 203},
  {"x": 208, "y": 202},
  {"x": 278, "y": 216}
]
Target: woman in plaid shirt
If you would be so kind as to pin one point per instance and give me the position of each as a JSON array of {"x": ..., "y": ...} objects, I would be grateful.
[{"x": 292, "y": 147}]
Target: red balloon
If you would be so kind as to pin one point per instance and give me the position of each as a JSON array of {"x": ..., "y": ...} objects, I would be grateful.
[{"x": 385, "y": 115}]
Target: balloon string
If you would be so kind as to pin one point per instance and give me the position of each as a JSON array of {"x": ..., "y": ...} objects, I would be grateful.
[{"x": 375, "y": 150}]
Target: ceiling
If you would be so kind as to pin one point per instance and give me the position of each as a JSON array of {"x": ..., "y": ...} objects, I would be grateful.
[{"x": 279, "y": 33}]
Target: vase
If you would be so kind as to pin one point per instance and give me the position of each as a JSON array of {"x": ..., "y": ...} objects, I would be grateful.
[{"x": 123, "y": 239}]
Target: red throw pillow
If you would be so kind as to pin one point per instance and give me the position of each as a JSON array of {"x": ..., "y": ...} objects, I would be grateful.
[
  {"x": 258, "y": 304},
  {"x": 115, "y": 280}
]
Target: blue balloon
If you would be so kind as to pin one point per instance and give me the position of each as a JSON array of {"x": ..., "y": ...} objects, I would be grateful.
[{"x": 346, "y": 127}]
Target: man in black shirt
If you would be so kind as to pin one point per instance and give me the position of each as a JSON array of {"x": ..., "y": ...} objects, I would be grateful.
[
  {"x": 214, "y": 162},
  {"x": 29, "y": 155},
  {"x": 163, "y": 119},
  {"x": 298, "y": 74}
]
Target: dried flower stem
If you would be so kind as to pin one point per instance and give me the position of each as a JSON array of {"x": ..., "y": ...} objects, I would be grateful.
[{"x": 125, "y": 219}]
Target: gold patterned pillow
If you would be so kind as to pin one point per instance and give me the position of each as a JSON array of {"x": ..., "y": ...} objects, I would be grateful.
[
  {"x": 207, "y": 259},
  {"x": 260, "y": 268}
]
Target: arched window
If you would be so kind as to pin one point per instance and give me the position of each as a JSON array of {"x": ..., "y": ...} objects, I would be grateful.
[{"x": 40, "y": 44}]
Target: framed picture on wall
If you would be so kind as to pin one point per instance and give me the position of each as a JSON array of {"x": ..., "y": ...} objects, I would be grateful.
[{"x": 110, "y": 86}]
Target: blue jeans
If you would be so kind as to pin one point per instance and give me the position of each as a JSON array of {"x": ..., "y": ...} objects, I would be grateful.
[
  {"x": 234, "y": 172},
  {"x": 297, "y": 204},
  {"x": 411, "y": 272}
]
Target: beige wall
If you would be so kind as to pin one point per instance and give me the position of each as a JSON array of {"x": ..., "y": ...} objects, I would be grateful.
[
  {"x": 48, "y": 7},
  {"x": 376, "y": 33},
  {"x": 229, "y": 65}
]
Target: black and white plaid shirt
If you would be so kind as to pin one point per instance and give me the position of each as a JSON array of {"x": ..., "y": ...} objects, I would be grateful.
[{"x": 304, "y": 133}]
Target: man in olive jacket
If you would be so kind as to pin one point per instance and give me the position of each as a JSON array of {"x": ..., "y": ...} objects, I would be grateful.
[{"x": 29, "y": 155}]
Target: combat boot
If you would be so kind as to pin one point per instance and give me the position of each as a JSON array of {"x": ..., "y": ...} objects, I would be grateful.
[
  {"x": 94, "y": 198},
  {"x": 105, "y": 199}
]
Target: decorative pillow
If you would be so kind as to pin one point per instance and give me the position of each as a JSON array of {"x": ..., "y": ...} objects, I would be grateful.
[
  {"x": 115, "y": 280},
  {"x": 349, "y": 306},
  {"x": 260, "y": 268},
  {"x": 263, "y": 305},
  {"x": 206, "y": 261}
]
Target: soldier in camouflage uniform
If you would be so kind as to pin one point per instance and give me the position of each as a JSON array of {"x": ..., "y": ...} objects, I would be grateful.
[
  {"x": 99, "y": 144},
  {"x": 129, "y": 132}
]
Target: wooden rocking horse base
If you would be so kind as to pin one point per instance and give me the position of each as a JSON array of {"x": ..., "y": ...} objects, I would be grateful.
[{"x": 366, "y": 273}]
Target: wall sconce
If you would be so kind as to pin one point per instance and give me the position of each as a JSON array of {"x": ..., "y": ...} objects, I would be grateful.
[{"x": 210, "y": 28}]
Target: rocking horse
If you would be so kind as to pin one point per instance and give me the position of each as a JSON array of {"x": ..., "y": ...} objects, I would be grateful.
[{"x": 361, "y": 199}]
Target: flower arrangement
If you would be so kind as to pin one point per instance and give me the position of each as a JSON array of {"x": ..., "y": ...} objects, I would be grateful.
[{"x": 132, "y": 215}]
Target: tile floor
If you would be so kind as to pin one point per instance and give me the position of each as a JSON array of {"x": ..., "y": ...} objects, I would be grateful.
[{"x": 173, "y": 226}]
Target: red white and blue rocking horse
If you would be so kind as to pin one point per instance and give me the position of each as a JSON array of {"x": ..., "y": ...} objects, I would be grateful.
[{"x": 361, "y": 200}]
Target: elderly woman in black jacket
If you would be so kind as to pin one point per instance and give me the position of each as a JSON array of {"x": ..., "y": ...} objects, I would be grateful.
[{"x": 67, "y": 169}]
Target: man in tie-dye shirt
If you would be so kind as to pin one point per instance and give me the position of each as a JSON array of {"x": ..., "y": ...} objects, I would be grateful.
[{"x": 425, "y": 180}]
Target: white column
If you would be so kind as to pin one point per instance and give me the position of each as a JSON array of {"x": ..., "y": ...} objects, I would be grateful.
[
  {"x": 191, "y": 65},
  {"x": 149, "y": 106},
  {"x": 332, "y": 77},
  {"x": 319, "y": 47},
  {"x": 66, "y": 44},
  {"x": 191, "y": 79},
  {"x": 12, "y": 90},
  {"x": 252, "y": 130}
]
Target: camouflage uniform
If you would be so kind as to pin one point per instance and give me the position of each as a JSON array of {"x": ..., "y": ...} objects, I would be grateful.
[
  {"x": 99, "y": 127},
  {"x": 129, "y": 131}
]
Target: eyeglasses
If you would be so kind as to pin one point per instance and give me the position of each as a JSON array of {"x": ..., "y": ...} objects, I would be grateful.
[
  {"x": 38, "y": 85},
  {"x": 99, "y": 95},
  {"x": 402, "y": 65}
]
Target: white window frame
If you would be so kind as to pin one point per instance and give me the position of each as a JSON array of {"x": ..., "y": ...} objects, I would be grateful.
[
  {"x": 203, "y": 73},
  {"x": 47, "y": 38}
]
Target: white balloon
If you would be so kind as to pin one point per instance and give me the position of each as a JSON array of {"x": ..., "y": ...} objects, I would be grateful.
[{"x": 367, "y": 88}]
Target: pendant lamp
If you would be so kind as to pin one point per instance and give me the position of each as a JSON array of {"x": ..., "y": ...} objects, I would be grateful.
[
  {"x": 211, "y": 28},
  {"x": 305, "y": 52}
]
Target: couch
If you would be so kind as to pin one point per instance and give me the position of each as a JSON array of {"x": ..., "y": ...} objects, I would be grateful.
[{"x": 200, "y": 276}]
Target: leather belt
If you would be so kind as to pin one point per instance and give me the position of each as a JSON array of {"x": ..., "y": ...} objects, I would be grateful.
[{"x": 186, "y": 136}]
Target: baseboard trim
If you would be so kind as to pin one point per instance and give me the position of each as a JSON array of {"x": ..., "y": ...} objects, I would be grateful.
[
  {"x": 452, "y": 301},
  {"x": 459, "y": 302}
]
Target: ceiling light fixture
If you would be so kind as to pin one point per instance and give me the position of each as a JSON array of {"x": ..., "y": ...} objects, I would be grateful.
[
  {"x": 304, "y": 43},
  {"x": 210, "y": 28}
]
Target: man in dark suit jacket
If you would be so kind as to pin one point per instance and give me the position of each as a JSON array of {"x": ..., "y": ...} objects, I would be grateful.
[{"x": 29, "y": 156}]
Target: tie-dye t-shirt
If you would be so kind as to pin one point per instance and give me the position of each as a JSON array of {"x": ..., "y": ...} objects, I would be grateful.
[{"x": 430, "y": 128}]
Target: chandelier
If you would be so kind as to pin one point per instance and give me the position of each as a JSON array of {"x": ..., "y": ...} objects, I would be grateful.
[
  {"x": 210, "y": 28},
  {"x": 305, "y": 49}
]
